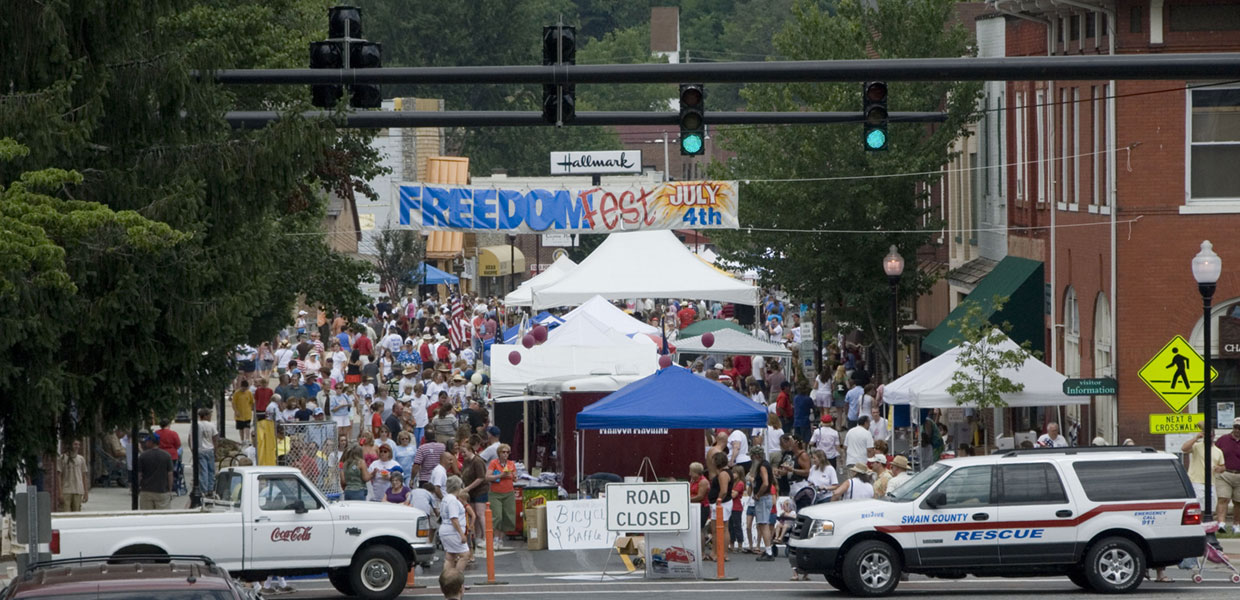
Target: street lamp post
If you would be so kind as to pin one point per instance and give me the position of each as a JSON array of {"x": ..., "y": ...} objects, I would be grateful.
[
  {"x": 1206, "y": 269},
  {"x": 893, "y": 266}
]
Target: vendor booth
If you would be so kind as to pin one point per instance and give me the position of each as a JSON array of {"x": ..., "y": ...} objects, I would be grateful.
[
  {"x": 611, "y": 316},
  {"x": 926, "y": 386},
  {"x": 524, "y": 294},
  {"x": 643, "y": 264},
  {"x": 729, "y": 342}
]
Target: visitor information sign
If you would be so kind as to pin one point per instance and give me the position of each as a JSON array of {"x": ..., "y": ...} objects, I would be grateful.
[{"x": 569, "y": 209}]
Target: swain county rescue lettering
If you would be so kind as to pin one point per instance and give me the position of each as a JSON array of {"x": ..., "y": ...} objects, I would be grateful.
[
  {"x": 998, "y": 534},
  {"x": 943, "y": 518}
]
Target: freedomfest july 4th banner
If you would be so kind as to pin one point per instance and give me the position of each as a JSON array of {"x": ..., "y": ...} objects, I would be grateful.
[{"x": 590, "y": 209}]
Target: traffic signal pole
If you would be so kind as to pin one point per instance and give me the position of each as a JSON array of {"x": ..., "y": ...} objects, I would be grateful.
[{"x": 1224, "y": 65}]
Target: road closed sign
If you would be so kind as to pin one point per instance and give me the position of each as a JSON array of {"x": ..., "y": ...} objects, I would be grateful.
[{"x": 648, "y": 507}]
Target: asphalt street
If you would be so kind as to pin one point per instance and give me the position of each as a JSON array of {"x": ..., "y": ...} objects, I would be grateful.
[{"x": 544, "y": 574}]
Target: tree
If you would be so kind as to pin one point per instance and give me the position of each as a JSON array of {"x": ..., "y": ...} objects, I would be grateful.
[
  {"x": 401, "y": 252},
  {"x": 985, "y": 351},
  {"x": 178, "y": 236},
  {"x": 826, "y": 238}
]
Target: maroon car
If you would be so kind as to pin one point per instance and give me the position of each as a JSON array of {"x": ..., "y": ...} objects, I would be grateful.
[{"x": 131, "y": 578}]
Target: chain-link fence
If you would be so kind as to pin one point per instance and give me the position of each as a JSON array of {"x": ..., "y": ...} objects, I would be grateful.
[{"x": 311, "y": 448}]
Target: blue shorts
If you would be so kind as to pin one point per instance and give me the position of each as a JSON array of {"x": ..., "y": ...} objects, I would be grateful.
[
  {"x": 762, "y": 514},
  {"x": 480, "y": 499}
]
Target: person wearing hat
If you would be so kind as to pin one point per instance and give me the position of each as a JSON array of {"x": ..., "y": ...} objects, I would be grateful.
[
  {"x": 1228, "y": 482},
  {"x": 457, "y": 392},
  {"x": 425, "y": 349},
  {"x": 827, "y": 439},
  {"x": 881, "y": 476},
  {"x": 154, "y": 475},
  {"x": 490, "y": 453},
  {"x": 899, "y": 471},
  {"x": 858, "y": 486},
  {"x": 398, "y": 492}
]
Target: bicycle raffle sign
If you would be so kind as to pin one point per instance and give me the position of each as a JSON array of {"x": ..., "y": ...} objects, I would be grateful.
[{"x": 581, "y": 209}]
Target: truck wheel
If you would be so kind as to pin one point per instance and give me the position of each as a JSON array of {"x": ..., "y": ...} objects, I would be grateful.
[
  {"x": 378, "y": 573},
  {"x": 836, "y": 582},
  {"x": 340, "y": 580},
  {"x": 1114, "y": 565},
  {"x": 871, "y": 568}
]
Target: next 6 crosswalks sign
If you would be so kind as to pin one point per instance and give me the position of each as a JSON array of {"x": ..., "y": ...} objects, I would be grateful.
[{"x": 1175, "y": 373}]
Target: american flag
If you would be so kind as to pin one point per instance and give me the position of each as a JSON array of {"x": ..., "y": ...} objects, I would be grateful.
[{"x": 457, "y": 327}]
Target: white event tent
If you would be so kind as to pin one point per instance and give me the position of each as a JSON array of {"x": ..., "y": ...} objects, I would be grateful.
[
  {"x": 926, "y": 386},
  {"x": 607, "y": 314},
  {"x": 523, "y": 295},
  {"x": 732, "y": 342},
  {"x": 643, "y": 264}
]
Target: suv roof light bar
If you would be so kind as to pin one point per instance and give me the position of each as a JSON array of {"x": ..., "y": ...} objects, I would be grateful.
[{"x": 1081, "y": 450}]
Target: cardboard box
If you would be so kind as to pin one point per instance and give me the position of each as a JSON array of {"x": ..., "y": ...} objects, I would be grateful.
[
  {"x": 632, "y": 545},
  {"x": 536, "y": 528}
]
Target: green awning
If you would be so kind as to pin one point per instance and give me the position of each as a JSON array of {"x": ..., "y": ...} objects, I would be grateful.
[
  {"x": 701, "y": 327},
  {"x": 1020, "y": 280}
]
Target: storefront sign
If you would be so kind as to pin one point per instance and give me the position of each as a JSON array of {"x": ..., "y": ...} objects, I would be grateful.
[
  {"x": 1176, "y": 423},
  {"x": 590, "y": 209},
  {"x": 596, "y": 163},
  {"x": 557, "y": 239},
  {"x": 1094, "y": 386},
  {"x": 648, "y": 507},
  {"x": 578, "y": 525},
  {"x": 1229, "y": 337}
]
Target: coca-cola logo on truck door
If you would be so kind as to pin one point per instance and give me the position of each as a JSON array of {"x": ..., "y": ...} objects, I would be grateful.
[{"x": 296, "y": 534}]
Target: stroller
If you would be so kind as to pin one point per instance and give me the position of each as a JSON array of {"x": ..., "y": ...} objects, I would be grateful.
[{"x": 1216, "y": 556}]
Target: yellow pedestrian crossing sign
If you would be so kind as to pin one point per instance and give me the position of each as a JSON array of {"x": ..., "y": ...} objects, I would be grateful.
[{"x": 1175, "y": 374}]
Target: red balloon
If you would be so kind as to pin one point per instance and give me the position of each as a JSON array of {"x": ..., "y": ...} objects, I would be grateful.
[
  {"x": 540, "y": 333},
  {"x": 708, "y": 339},
  {"x": 527, "y": 341},
  {"x": 665, "y": 361},
  {"x": 514, "y": 357}
]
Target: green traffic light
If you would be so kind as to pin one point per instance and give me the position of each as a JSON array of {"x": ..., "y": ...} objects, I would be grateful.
[
  {"x": 876, "y": 139},
  {"x": 691, "y": 143}
]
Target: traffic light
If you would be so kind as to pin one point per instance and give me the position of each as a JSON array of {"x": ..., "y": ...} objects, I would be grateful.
[
  {"x": 559, "y": 47},
  {"x": 345, "y": 49},
  {"x": 692, "y": 119},
  {"x": 365, "y": 55},
  {"x": 325, "y": 55},
  {"x": 874, "y": 113}
]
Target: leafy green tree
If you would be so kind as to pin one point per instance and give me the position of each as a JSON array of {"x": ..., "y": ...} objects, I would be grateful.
[
  {"x": 158, "y": 237},
  {"x": 985, "y": 352},
  {"x": 400, "y": 252},
  {"x": 826, "y": 238}
]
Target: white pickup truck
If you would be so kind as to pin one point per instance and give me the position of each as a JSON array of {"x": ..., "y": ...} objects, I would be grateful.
[{"x": 265, "y": 521}]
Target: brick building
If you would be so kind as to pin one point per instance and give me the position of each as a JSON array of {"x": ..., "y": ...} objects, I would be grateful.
[{"x": 1106, "y": 188}]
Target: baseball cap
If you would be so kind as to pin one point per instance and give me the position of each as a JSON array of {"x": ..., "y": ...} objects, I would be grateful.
[
  {"x": 493, "y": 430},
  {"x": 826, "y": 418},
  {"x": 318, "y": 411},
  {"x": 879, "y": 458},
  {"x": 1236, "y": 422},
  {"x": 151, "y": 437}
]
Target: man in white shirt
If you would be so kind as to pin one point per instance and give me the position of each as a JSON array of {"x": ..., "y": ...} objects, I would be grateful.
[
  {"x": 827, "y": 439},
  {"x": 392, "y": 341},
  {"x": 1052, "y": 438},
  {"x": 491, "y": 452},
  {"x": 738, "y": 449},
  {"x": 858, "y": 443},
  {"x": 899, "y": 467},
  {"x": 207, "y": 436},
  {"x": 878, "y": 425}
]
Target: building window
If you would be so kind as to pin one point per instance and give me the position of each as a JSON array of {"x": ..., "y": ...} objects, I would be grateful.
[
  {"x": 1064, "y": 129},
  {"x": 1071, "y": 335},
  {"x": 1097, "y": 149},
  {"x": 1134, "y": 19},
  {"x": 1204, "y": 17},
  {"x": 1041, "y": 109},
  {"x": 1076, "y": 148},
  {"x": 1102, "y": 336},
  {"x": 1021, "y": 124},
  {"x": 1108, "y": 141},
  {"x": 1215, "y": 144},
  {"x": 1091, "y": 24}
]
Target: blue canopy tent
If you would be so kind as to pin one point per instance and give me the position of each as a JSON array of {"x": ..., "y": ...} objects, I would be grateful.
[
  {"x": 673, "y": 398},
  {"x": 429, "y": 275}
]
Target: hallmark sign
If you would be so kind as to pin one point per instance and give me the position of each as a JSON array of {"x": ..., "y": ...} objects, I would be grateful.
[{"x": 596, "y": 163}]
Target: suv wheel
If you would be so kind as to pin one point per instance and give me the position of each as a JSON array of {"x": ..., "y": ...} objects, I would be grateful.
[
  {"x": 1114, "y": 565},
  {"x": 1078, "y": 577},
  {"x": 871, "y": 568},
  {"x": 378, "y": 573}
]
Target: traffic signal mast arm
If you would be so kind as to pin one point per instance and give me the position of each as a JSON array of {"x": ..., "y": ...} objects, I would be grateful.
[{"x": 1128, "y": 66}]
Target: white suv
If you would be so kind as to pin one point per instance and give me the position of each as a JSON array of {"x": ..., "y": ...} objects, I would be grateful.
[{"x": 1101, "y": 516}]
